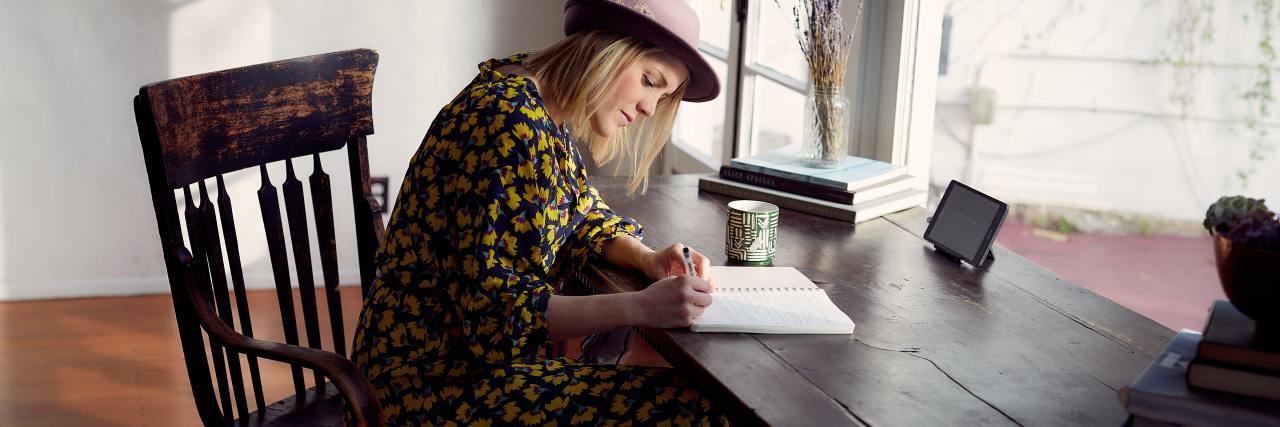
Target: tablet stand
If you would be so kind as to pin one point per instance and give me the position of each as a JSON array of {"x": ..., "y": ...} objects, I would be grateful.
[
  {"x": 991, "y": 255},
  {"x": 946, "y": 253}
]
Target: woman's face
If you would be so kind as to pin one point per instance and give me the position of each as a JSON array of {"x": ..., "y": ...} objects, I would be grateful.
[{"x": 640, "y": 87}]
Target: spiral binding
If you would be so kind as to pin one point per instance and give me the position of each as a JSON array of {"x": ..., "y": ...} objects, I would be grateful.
[{"x": 770, "y": 289}]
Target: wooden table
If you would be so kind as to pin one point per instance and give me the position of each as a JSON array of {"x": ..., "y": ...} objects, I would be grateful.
[{"x": 936, "y": 342}]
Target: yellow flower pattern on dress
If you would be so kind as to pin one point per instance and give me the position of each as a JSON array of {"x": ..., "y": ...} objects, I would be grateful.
[{"x": 494, "y": 212}]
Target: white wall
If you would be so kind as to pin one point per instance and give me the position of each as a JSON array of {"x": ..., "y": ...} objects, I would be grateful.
[
  {"x": 1084, "y": 117},
  {"x": 75, "y": 216}
]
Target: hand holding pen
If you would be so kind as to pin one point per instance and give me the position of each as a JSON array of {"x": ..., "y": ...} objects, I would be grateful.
[
  {"x": 681, "y": 289},
  {"x": 673, "y": 261}
]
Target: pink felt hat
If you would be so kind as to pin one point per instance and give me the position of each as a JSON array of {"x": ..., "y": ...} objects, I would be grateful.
[{"x": 669, "y": 24}]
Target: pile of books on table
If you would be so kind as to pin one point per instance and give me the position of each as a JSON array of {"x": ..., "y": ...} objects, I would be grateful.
[
  {"x": 1228, "y": 376},
  {"x": 858, "y": 190}
]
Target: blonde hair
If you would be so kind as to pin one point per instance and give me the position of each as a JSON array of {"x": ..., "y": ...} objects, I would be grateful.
[{"x": 576, "y": 70}]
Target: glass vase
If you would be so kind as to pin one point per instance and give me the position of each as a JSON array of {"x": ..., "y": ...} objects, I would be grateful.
[{"x": 826, "y": 121}]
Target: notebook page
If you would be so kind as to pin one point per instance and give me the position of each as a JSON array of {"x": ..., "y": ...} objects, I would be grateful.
[
  {"x": 770, "y": 300},
  {"x": 759, "y": 277}
]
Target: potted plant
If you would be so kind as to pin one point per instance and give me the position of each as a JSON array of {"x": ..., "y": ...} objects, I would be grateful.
[{"x": 1246, "y": 244}]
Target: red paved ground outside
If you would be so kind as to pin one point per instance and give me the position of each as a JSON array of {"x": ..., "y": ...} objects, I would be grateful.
[{"x": 1171, "y": 280}]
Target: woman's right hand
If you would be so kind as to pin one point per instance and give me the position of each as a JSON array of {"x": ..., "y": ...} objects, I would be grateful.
[{"x": 672, "y": 302}]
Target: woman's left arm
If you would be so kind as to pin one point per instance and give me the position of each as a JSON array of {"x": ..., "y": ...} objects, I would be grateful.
[
  {"x": 615, "y": 239},
  {"x": 626, "y": 251}
]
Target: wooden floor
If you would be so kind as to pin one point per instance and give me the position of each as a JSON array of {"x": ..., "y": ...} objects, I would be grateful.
[{"x": 117, "y": 361}]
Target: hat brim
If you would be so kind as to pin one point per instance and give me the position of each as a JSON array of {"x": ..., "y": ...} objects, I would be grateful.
[{"x": 703, "y": 84}]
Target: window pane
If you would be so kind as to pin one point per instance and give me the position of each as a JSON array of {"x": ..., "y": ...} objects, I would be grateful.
[
  {"x": 700, "y": 125},
  {"x": 1108, "y": 162},
  {"x": 714, "y": 19},
  {"x": 776, "y": 45},
  {"x": 777, "y": 116}
]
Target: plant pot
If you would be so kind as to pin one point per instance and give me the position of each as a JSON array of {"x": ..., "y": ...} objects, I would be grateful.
[{"x": 1251, "y": 279}]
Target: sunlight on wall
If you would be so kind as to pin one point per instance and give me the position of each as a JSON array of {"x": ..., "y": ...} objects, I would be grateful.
[
  {"x": 209, "y": 35},
  {"x": 84, "y": 61}
]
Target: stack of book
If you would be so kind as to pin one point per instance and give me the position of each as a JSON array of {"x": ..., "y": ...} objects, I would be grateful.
[
  {"x": 858, "y": 190},
  {"x": 1227, "y": 376}
]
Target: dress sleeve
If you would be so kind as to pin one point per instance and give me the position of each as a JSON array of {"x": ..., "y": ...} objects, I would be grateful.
[
  {"x": 599, "y": 225},
  {"x": 500, "y": 298}
]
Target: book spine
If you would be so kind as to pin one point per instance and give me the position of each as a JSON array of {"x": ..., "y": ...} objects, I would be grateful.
[
  {"x": 815, "y": 180},
  {"x": 785, "y": 202},
  {"x": 1256, "y": 384},
  {"x": 1236, "y": 356},
  {"x": 1263, "y": 371},
  {"x": 774, "y": 172},
  {"x": 786, "y": 184},
  {"x": 885, "y": 188}
]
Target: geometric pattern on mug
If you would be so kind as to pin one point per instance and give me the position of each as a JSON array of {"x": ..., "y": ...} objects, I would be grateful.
[
  {"x": 749, "y": 236},
  {"x": 763, "y": 242},
  {"x": 737, "y": 236},
  {"x": 737, "y": 233},
  {"x": 767, "y": 238}
]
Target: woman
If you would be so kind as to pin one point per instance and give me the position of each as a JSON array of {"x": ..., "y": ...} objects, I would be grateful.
[{"x": 495, "y": 211}]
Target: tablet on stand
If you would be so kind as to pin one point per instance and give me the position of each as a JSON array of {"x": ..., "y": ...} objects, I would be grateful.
[{"x": 965, "y": 224}]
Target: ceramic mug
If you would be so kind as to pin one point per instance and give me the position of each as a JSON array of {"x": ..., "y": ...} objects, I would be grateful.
[{"x": 751, "y": 234}]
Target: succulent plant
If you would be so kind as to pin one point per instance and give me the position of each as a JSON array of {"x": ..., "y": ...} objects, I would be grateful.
[
  {"x": 1259, "y": 229},
  {"x": 1244, "y": 221},
  {"x": 1229, "y": 209}
]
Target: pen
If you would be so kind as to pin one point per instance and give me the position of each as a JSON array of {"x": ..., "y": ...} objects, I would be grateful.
[{"x": 688, "y": 262}]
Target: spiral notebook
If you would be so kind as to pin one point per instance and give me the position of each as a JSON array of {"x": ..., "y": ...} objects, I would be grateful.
[{"x": 769, "y": 300}]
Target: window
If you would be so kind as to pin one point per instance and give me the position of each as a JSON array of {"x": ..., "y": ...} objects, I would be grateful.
[
  {"x": 699, "y": 129},
  {"x": 779, "y": 77},
  {"x": 752, "y": 45},
  {"x": 1109, "y": 131}
]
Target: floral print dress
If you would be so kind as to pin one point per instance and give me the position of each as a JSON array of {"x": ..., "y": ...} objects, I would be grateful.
[{"x": 494, "y": 211}]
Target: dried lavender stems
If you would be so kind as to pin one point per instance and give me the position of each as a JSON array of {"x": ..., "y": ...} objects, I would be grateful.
[
  {"x": 824, "y": 40},
  {"x": 825, "y": 43}
]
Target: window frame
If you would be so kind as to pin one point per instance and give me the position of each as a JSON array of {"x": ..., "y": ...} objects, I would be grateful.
[{"x": 891, "y": 81}]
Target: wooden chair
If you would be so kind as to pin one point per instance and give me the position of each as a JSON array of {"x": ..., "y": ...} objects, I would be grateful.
[{"x": 198, "y": 128}]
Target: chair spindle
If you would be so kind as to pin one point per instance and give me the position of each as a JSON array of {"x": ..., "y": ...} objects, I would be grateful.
[
  {"x": 296, "y": 211},
  {"x": 322, "y": 204},
  {"x": 237, "y": 283},
  {"x": 195, "y": 230},
  {"x": 217, "y": 272},
  {"x": 369, "y": 227},
  {"x": 271, "y": 221}
]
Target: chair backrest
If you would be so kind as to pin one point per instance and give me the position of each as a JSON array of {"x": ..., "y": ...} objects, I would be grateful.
[{"x": 199, "y": 128}]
